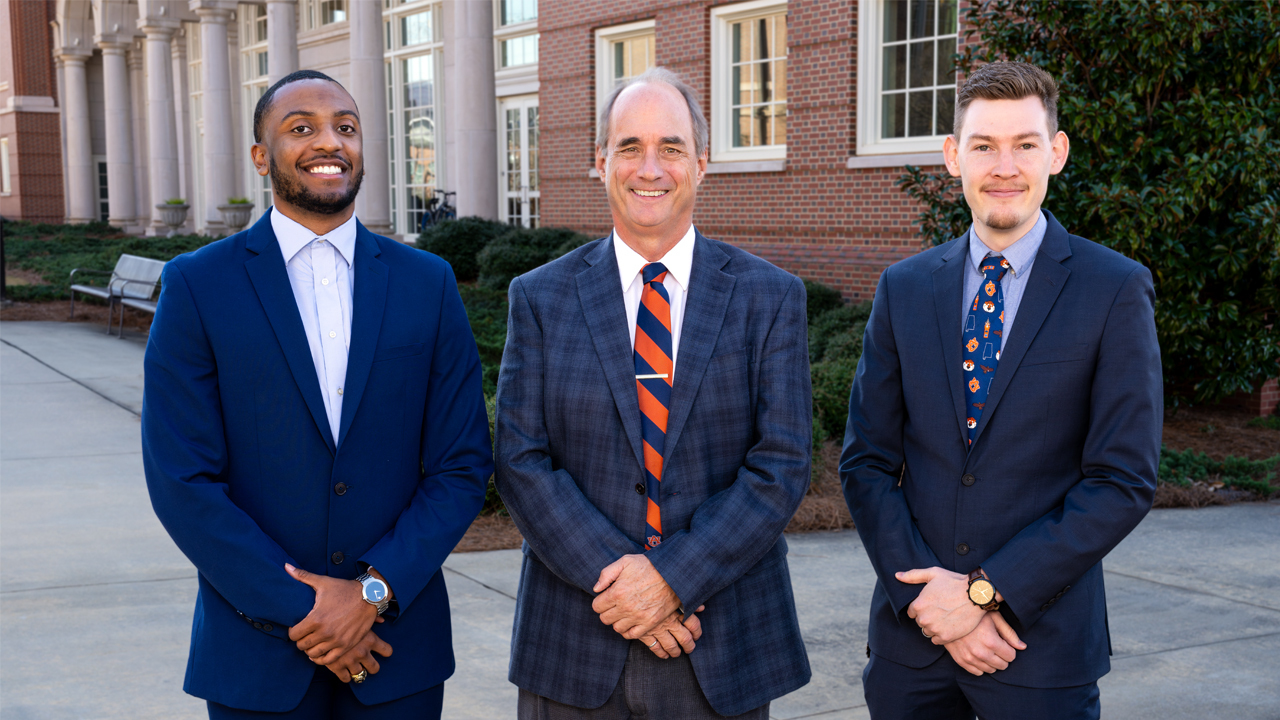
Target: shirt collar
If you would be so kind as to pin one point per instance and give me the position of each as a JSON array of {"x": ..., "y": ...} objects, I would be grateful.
[
  {"x": 292, "y": 236},
  {"x": 1020, "y": 254},
  {"x": 678, "y": 260}
]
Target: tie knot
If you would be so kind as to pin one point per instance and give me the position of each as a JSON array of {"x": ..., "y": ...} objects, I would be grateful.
[
  {"x": 653, "y": 271},
  {"x": 994, "y": 267}
]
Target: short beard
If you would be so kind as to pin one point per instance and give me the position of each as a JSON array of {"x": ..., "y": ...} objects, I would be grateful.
[
  {"x": 1002, "y": 221},
  {"x": 294, "y": 193}
]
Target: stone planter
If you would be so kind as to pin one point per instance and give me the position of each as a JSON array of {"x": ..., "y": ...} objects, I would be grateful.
[
  {"x": 236, "y": 216},
  {"x": 173, "y": 216}
]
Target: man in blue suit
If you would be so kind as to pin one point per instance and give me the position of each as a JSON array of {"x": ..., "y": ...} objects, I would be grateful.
[
  {"x": 314, "y": 438},
  {"x": 653, "y": 435},
  {"x": 1003, "y": 435}
]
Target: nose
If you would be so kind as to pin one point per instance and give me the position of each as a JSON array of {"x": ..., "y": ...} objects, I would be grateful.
[
  {"x": 327, "y": 139},
  {"x": 650, "y": 167},
  {"x": 1005, "y": 166}
]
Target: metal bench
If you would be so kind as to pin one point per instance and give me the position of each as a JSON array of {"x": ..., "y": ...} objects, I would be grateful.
[{"x": 133, "y": 283}]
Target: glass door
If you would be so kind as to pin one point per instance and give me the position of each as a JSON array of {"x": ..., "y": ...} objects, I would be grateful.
[{"x": 519, "y": 172}]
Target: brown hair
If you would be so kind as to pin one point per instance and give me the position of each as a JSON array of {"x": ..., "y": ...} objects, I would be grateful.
[{"x": 1008, "y": 81}]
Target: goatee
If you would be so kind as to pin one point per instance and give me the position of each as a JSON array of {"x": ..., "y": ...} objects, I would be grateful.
[{"x": 295, "y": 193}]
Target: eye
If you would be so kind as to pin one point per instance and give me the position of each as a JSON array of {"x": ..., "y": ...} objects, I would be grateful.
[
  {"x": 346, "y": 128},
  {"x": 1028, "y": 146},
  {"x": 982, "y": 148},
  {"x": 301, "y": 130}
]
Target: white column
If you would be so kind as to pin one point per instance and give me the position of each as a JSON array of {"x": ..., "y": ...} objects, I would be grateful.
[
  {"x": 82, "y": 200},
  {"x": 368, "y": 88},
  {"x": 219, "y": 160},
  {"x": 117, "y": 99},
  {"x": 182, "y": 121},
  {"x": 239, "y": 144},
  {"x": 282, "y": 39},
  {"x": 141, "y": 147},
  {"x": 470, "y": 102},
  {"x": 164, "y": 180}
]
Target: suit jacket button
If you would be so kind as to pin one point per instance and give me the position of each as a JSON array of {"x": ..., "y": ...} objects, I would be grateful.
[
  {"x": 968, "y": 480},
  {"x": 963, "y": 548},
  {"x": 1044, "y": 607},
  {"x": 258, "y": 625},
  {"x": 340, "y": 488},
  {"x": 336, "y": 558},
  {"x": 268, "y": 627},
  {"x": 639, "y": 488}
]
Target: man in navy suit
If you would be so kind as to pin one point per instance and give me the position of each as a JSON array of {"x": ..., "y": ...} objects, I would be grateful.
[
  {"x": 653, "y": 434},
  {"x": 1003, "y": 435},
  {"x": 314, "y": 438}
]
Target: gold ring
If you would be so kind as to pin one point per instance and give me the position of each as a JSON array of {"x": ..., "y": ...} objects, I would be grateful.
[{"x": 360, "y": 676}]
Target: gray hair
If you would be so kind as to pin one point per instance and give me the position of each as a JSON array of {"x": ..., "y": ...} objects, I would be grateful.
[{"x": 667, "y": 77}]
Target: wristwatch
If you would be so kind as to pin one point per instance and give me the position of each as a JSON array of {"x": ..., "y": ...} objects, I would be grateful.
[
  {"x": 981, "y": 592},
  {"x": 374, "y": 592}
]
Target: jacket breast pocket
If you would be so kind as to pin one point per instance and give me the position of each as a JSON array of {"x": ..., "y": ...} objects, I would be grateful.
[
  {"x": 1055, "y": 354},
  {"x": 400, "y": 351}
]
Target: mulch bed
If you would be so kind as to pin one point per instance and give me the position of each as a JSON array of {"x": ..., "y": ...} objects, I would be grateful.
[{"x": 1217, "y": 432}]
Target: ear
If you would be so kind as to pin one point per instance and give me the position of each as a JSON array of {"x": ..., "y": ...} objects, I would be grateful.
[
  {"x": 260, "y": 162},
  {"x": 702, "y": 168},
  {"x": 1061, "y": 149},
  {"x": 951, "y": 155},
  {"x": 600, "y": 164}
]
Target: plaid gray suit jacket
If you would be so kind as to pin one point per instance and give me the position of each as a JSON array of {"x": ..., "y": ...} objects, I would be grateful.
[{"x": 736, "y": 464}]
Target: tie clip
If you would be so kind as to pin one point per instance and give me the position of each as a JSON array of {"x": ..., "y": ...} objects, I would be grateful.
[{"x": 656, "y": 376}]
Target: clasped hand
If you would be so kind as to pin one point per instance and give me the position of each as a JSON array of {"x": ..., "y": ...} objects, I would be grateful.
[
  {"x": 337, "y": 633},
  {"x": 979, "y": 641},
  {"x": 639, "y": 604}
]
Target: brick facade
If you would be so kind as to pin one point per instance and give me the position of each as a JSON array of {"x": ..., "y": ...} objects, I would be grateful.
[
  {"x": 817, "y": 218},
  {"x": 35, "y": 141}
]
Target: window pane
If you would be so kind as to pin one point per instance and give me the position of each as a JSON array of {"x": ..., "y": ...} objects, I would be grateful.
[
  {"x": 533, "y": 147},
  {"x": 262, "y": 64},
  {"x": 522, "y": 50},
  {"x": 922, "y": 15},
  {"x": 779, "y": 126},
  {"x": 419, "y": 85},
  {"x": 619, "y": 61},
  {"x": 922, "y": 64},
  {"x": 946, "y": 63},
  {"x": 736, "y": 29},
  {"x": 332, "y": 11},
  {"x": 920, "y": 109},
  {"x": 513, "y": 150},
  {"x": 416, "y": 29},
  {"x": 893, "y": 121},
  {"x": 946, "y": 111},
  {"x": 947, "y": 17},
  {"x": 895, "y": 67},
  {"x": 517, "y": 11},
  {"x": 780, "y": 80},
  {"x": 895, "y": 20}
]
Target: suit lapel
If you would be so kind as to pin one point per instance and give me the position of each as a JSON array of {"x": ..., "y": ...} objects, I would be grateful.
[
  {"x": 948, "y": 289},
  {"x": 600, "y": 292},
  {"x": 1048, "y": 276},
  {"x": 369, "y": 300},
  {"x": 271, "y": 282},
  {"x": 705, "y": 305}
]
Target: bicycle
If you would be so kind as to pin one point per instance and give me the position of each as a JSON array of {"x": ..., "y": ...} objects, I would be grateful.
[{"x": 437, "y": 211}]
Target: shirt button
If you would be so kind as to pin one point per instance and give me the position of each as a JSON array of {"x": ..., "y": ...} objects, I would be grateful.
[
  {"x": 337, "y": 558},
  {"x": 333, "y": 334},
  {"x": 339, "y": 391},
  {"x": 963, "y": 548},
  {"x": 324, "y": 281},
  {"x": 639, "y": 488}
]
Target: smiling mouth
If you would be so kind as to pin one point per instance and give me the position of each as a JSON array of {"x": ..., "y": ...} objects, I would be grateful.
[{"x": 650, "y": 193}]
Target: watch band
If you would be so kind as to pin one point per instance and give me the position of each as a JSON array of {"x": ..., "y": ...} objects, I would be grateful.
[
  {"x": 978, "y": 576},
  {"x": 386, "y": 601}
]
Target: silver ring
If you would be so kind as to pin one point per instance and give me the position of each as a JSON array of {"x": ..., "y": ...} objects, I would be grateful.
[
  {"x": 655, "y": 642},
  {"x": 922, "y": 632}
]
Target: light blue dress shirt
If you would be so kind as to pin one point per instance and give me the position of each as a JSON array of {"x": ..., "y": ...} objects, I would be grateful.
[
  {"x": 319, "y": 268},
  {"x": 1021, "y": 256}
]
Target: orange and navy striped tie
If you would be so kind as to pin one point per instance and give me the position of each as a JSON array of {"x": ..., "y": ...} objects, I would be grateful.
[{"x": 653, "y": 382}]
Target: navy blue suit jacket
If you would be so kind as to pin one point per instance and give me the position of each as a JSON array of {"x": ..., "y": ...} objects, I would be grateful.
[
  {"x": 1062, "y": 468},
  {"x": 735, "y": 467},
  {"x": 242, "y": 467}
]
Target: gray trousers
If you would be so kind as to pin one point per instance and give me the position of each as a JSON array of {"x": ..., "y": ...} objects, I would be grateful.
[{"x": 650, "y": 689}]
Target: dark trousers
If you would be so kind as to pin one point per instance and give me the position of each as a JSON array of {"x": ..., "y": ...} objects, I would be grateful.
[
  {"x": 945, "y": 691},
  {"x": 329, "y": 698},
  {"x": 650, "y": 689}
]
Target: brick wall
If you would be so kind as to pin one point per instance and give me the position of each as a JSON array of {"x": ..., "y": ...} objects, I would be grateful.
[
  {"x": 35, "y": 143},
  {"x": 817, "y": 218}
]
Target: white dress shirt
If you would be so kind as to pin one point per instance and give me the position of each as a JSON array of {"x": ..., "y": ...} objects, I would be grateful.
[
  {"x": 319, "y": 270},
  {"x": 679, "y": 263}
]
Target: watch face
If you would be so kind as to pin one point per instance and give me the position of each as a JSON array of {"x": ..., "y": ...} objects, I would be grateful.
[
  {"x": 982, "y": 592},
  {"x": 375, "y": 591}
]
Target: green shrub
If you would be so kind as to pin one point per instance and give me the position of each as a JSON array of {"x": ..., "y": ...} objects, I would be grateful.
[
  {"x": 835, "y": 347},
  {"x": 459, "y": 241},
  {"x": 1271, "y": 422},
  {"x": 520, "y": 250},
  {"x": 487, "y": 312},
  {"x": 827, "y": 329},
  {"x": 1172, "y": 109},
  {"x": 1183, "y": 468},
  {"x": 820, "y": 299}
]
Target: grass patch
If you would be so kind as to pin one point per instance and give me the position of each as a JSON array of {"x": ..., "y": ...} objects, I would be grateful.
[
  {"x": 1188, "y": 468},
  {"x": 1271, "y": 422}
]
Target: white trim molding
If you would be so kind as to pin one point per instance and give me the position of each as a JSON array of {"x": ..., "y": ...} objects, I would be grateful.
[
  {"x": 927, "y": 159},
  {"x": 722, "y": 17}
]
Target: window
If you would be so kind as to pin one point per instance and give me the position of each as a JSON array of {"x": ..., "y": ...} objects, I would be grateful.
[
  {"x": 104, "y": 206},
  {"x": 519, "y": 171},
  {"x": 514, "y": 12},
  {"x": 906, "y": 75},
  {"x": 749, "y": 81},
  {"x": 253, "y": 85},
  {"x": 517, "y": 34},
  {"x": 413, "y": 123},
  {"x": 332, "y": 11},
  {"x": 622, "y": 52},
  {"x": 259, "y": 20},
  {"x": 522, "y": 50}
]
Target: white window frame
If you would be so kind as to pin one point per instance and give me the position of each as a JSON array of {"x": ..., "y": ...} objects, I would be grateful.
[
  {"x": 605, "y": 37},
  {"x": 870, "y": 61},
  {"x": 722, "y": 149},
  {"x": 393, "y": 58},
  {"x": 257, "y": 188}
]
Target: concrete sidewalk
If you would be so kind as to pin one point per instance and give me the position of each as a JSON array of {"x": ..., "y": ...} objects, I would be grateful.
[{"x": 95, "y": 600}]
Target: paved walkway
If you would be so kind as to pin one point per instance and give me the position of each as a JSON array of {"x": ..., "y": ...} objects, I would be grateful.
[{"x": 95, "y": 601}]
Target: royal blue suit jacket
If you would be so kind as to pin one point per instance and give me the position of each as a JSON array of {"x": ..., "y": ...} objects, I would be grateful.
[
  {"x": 735, "y": 467},
  {"x": 243, "y": 470},
  {"x": 1062, "y": 468}
]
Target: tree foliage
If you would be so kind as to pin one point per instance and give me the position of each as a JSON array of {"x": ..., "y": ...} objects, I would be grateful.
[{"x": 1173, "y": 111}]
